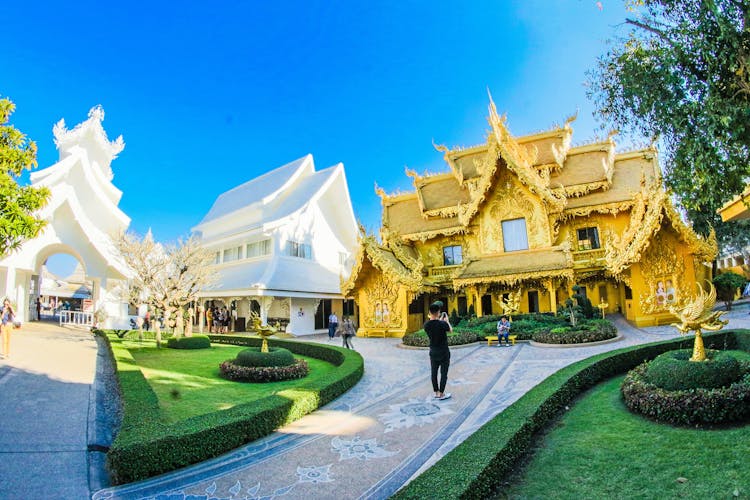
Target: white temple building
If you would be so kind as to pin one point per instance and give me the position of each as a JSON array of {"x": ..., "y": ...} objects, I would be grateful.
[
  {"x": 282, "y": 242},
  {"x": 83, "y": 220}
]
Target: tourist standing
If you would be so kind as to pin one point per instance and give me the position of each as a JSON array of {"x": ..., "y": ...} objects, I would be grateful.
[
  {"x": 38, "y": 309},
  {"x": 503, "y": 330},
  {"x": 209, "y": 318},
  {"x": 333, "y": 324},
  {"x": 8, "y": 316},
  {"x": 437, "y": 328}
]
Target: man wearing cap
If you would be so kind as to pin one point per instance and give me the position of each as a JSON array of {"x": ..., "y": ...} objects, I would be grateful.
[{"x": 437, "y": 328}]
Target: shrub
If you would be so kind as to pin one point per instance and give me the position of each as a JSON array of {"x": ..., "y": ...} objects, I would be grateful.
[
  {"x": 727, "y": 284},
  {"x": 457, "y": 337},
  {"x": 194, "y": 342},
  {"x": 230, "y": 370},
  {"x": 593, "y": 330},
  {"x": 276, "y": 356},
  {"x": 476, "y": 467},
  {"x": 673, "y": 371},
  {"x": 699, "y": 407},
  {"x": 146, "y": 446}
]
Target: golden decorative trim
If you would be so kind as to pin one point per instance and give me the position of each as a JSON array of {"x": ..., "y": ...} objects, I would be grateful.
[
  {"x": 704, "y": 249},
  {"x": 645, "y": 219},
  {"x": 428, "y": 235},
  {"x": 607, "y": 208},
  {"x": 514, "y": 279}
]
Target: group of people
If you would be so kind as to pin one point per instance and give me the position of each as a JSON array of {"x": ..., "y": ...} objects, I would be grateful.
[
  {"x": 437, "y": 329},
  {"x": 346, "y": 329},
  {"x": 6, "y": 328},
  {"x": 218, "y": 319}
]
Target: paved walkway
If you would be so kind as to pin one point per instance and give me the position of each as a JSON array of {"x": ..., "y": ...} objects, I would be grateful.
[
  {"x": 366, "y": 444},
  {"x": 386, "y": 430},
  {"x": 46, "y": 387}
]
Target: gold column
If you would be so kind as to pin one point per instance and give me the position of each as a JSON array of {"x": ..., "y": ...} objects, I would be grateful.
[{"x": 552, "y": 295}]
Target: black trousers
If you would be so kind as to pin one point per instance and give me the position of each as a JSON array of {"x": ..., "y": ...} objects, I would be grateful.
[{"x": 441, "y": 363}]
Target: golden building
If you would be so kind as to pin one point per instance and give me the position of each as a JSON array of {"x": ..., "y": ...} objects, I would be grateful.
[{"x": 516, "y": 222}]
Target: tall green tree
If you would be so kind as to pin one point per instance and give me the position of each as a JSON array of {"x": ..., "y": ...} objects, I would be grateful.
[
  {"x": 681, "y": 73},
  {"x": 18, "y": 204}
]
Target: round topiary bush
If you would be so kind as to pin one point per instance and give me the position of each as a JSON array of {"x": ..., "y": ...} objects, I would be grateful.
[
  {"x": 276, "y": 356},
  {"x": 699, "y": 407},
  {"x": 232, "y": 371},
  {"x": 276, "y": 365},
  {"x": 674, "y": 371},
  {"x": 194, "y": 342}
]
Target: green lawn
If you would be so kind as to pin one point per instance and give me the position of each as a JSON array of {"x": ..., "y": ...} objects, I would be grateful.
[
  {"x": 601, "y": 450},
  {"x": 187, "y": 382}
]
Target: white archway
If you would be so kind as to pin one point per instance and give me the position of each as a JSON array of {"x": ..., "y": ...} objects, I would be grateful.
[{"x": 83, "y": 220}]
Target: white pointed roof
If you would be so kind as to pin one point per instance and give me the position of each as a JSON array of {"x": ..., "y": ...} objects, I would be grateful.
[{"x": 260, "y": 190}]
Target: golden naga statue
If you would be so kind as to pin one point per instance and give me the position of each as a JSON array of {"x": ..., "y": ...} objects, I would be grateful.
[
  {"x": 698, "y": 314},
  {"x": 263, "y": 330}
]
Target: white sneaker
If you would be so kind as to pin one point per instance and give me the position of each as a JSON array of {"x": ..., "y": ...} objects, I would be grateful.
[{"x": 446, "y": 395}]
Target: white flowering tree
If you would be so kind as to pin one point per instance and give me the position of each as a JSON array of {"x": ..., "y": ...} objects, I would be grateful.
[{"x": 168, "y": 277}]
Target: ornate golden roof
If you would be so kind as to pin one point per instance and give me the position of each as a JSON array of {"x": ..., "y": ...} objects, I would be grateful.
[
  {"x": 396, "y": 263},
  {"x": 513, "y": 267},
  {"x": 630, "y": 170},
  {"x": 440, "y": 192}
]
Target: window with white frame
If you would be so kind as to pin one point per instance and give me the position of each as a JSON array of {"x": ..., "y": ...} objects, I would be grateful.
[
  {"x": 301, "y": 250},
  {"x": 217, "y": 258},
  {"x": 514, "y": 235},
  {"x": 258, "y": 249},
  {"x": 232, "y": 254}
]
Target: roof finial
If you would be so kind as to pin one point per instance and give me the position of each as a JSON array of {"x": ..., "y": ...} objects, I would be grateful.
[{"x": 97, "y": 112}]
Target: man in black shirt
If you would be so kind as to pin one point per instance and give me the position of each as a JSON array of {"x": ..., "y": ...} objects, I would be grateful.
[{"x": 437, "y": 329}]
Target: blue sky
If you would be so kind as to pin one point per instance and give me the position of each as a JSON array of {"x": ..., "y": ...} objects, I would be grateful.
[{"x": 210, "y": 95}]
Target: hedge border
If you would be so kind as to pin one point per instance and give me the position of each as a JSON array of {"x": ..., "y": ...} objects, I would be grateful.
[
  {"x": 475, "y": 467},
  {"x": 146, "y": 447}
]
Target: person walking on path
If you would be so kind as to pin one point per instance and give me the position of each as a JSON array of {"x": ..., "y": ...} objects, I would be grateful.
[
  {"x": 437, "y": 328},
  {"x": 503, "y": 331},
  {"x": 348, "y": 333},
  {"x": 333, "y": 324},
  {"x": 6, "y": 328}
]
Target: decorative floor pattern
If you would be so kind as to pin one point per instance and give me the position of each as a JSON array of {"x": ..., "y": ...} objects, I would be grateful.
[{"x": 386, "y": 430}]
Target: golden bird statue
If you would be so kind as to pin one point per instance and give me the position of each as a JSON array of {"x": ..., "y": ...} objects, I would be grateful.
[
  {"x": 263, "y": 330},
  {"x": 697, "y": 314}
]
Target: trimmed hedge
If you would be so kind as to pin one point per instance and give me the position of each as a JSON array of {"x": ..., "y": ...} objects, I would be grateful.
[
  {"x": 673, "y": 371},
  {"x": 230, "y": 370},
  {"x": 276, "y": 356},
  {"x": 477, "y": 466},
  {"x": 457, "y": 337},
  {"x": 193, "y": 342},
  {"x": 593, "y": 330},
  {"x": 699, "y": 407},
  {"x": 145, "y": 447}
]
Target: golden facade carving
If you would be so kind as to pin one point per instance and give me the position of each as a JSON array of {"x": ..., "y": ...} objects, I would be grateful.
[{"x": 384, "y": 311}]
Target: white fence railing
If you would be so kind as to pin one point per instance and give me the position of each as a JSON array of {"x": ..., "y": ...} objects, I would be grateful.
[{"x": 77, "y": 318}]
